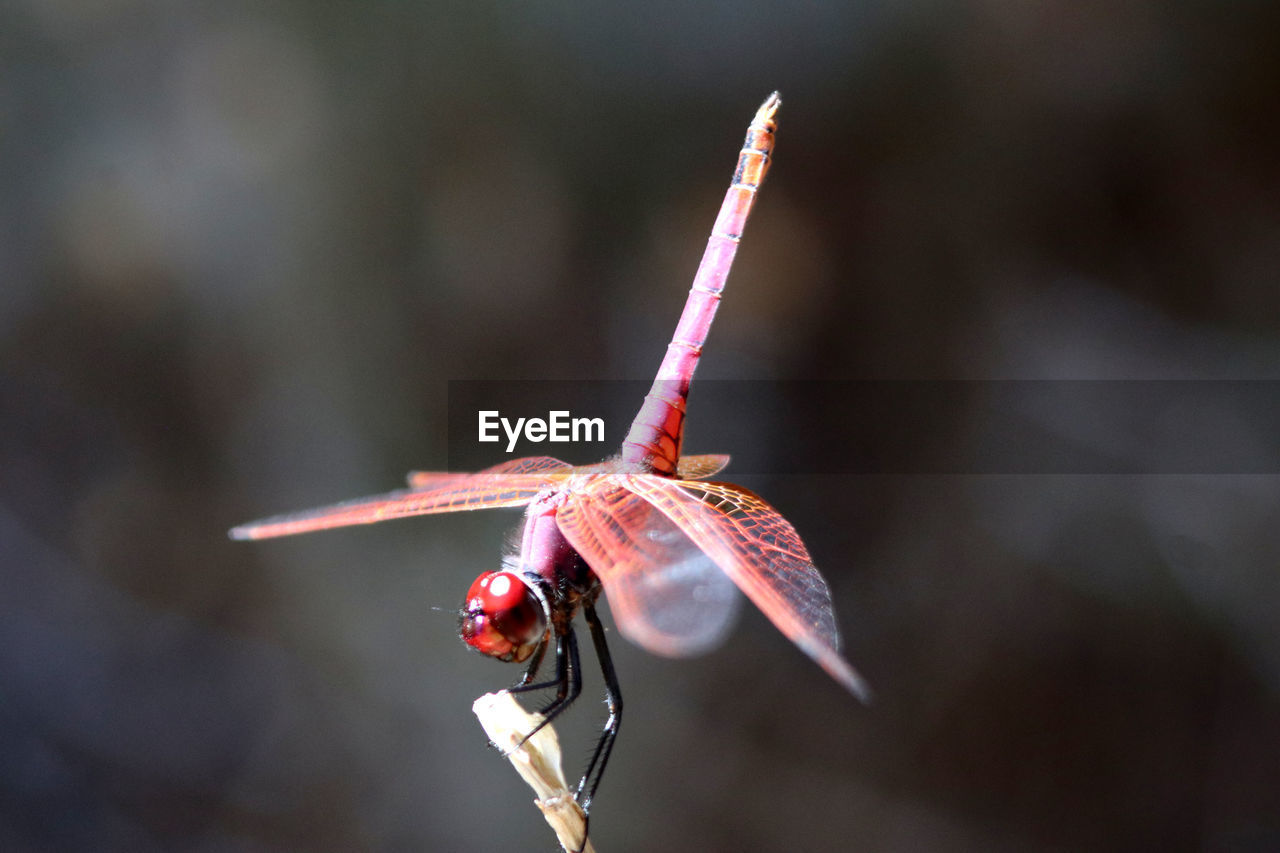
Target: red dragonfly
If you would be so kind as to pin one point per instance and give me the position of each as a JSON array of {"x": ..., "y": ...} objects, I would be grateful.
[{"x": 645, "y": 527}]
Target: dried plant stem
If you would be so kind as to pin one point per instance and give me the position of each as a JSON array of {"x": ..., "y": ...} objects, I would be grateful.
[{"x": 537, "y": 761}]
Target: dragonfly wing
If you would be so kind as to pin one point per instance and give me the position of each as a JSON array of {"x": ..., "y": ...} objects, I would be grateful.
[
  {"x": 443, "y": 493},
  {"x": 763, "y": 554},
  {"x": 665, "y": 594},
  {"x": 527, "y": 465},
  {"x": 700, "y": 467}
]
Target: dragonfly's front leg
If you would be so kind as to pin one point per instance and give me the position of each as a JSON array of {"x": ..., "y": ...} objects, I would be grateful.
[
  {"x": 568, "y": 681},
  {"x": 535, "y": 663}
]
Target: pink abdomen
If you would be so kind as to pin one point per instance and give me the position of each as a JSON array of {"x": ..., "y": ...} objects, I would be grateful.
[{"x": 654, "y": 440}]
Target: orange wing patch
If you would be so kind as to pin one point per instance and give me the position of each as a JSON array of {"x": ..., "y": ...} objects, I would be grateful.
[{"x": 700, "y": 467}]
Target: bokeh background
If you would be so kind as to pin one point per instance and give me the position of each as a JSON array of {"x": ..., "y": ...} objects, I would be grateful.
[{"x": 243, "y": 248}]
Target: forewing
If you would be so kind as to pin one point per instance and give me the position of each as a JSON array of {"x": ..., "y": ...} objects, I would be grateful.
[
  {"x": 665, "y": 594},
  {"x": 700, "y": 467},
  {"x": 527, "y": 465},
  {"x": 439, "y": 492},
  {"x": 763, "y": 554}
]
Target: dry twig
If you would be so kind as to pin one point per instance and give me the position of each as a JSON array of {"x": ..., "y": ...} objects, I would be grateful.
[{"x": 537, "y": 761}]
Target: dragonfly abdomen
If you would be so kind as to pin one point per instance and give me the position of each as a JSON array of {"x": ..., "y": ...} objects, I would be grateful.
[{"x": 656, "y": 435}]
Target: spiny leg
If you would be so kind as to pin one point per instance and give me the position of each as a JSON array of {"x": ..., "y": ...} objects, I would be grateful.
[
  {"x": 568, "y": 681},
  {"x": 559, "y": 680},
  {"x": 570, "y": 677},
  {"x": 613, "y": 698}
]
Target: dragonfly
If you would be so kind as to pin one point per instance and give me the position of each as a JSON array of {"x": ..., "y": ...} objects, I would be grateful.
[{"x": 667, "y": 546}]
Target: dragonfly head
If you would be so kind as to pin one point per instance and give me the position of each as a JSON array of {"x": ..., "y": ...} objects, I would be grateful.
[{"x": 504, "y": 616}]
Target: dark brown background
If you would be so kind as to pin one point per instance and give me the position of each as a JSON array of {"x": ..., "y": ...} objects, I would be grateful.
[{"x": 242, "y": 248}]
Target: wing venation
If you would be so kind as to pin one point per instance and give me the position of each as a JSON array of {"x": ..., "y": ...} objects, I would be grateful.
[
  {"x": 526, "y": 465},
  {"x": 665, "y": 594},
  {"x": 762, "y": 553},
  {"x": 436, "y": 492}
]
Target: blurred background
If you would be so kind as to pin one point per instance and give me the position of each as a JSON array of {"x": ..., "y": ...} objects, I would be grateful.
[{"x": 243, "y": 248}]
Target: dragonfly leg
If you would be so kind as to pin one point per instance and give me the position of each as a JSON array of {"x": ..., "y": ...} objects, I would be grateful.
[
  {"x": 531, "y": 671},
  {"x": 613, "y": 698},
  {"x": 526, "y": 685},
  {"x": 568, "y": 676},
  {"x": 568, "y": 682}
]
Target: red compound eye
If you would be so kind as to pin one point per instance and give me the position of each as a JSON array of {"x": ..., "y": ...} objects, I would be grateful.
[
  {"x": 503, "y": 617},
  {"x": 498, "y": 591}
]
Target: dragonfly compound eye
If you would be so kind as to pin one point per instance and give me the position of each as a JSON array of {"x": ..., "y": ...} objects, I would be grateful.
[{"x": 503, "y": 617}]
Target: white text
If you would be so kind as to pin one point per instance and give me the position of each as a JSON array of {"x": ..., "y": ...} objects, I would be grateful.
[{"x": 558, "y": 427}]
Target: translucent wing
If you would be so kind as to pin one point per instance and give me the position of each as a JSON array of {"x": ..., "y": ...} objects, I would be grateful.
[
  {"x": 762, "y": 553},
  {"x": 527, "y": 465},
  {"x": 698, "y": 467},
  {"x": 665, "y": 594},
  {"x": 492, "y": 487}
]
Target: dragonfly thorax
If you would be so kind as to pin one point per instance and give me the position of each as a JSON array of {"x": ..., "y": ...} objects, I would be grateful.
[{"x": 505, "y": 616}]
